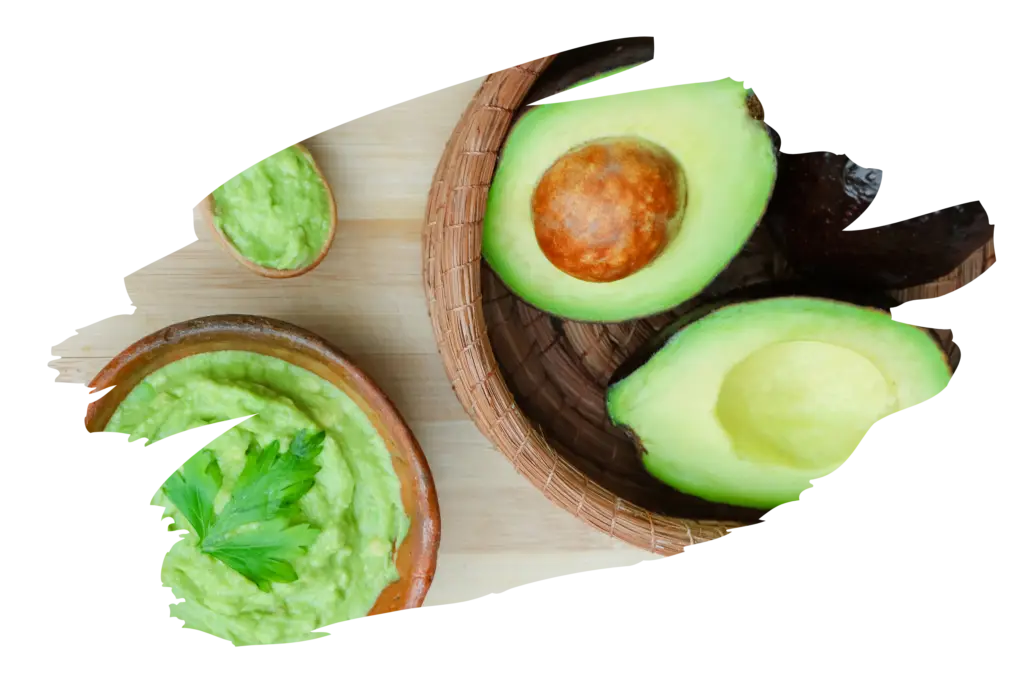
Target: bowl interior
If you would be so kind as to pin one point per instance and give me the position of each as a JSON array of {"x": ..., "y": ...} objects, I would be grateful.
[{"x": 416, "y": 556}]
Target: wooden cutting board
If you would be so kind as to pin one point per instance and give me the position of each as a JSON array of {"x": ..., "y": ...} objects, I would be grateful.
[{"x": 499, "y": 534}]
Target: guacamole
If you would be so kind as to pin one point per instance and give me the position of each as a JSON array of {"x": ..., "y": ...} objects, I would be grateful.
[
  {"x": 277, "y": 213},
  {"x": 355, "y": 500}
]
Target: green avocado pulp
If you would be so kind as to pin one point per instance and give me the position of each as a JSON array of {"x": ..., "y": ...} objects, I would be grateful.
[
  {"x": 728, "y": 162},
  {"x": 802, "y": 402},
  {"x": 750, "y": 403},
  {"x": 277, "y": 213},
  {"x": 355, "y": 502},
  {"x": 601, "y": 76}
]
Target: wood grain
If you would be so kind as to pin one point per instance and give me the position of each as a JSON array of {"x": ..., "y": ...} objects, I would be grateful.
[{"x": 367, "y": 298}]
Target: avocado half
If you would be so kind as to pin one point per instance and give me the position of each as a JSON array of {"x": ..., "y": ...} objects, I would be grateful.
[
  {"x": 751, "y": 400},
  {"x": 818, "y": 195},
  {"x": 657, "y": 190}
]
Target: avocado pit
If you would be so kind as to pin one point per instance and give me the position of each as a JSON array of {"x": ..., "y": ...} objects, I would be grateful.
[{"x": 608, "y": 208}]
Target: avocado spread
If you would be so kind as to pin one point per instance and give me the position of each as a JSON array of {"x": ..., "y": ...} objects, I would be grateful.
[
  {"x": 277, "y": 213},
  {"x": 355, "y": 501}
]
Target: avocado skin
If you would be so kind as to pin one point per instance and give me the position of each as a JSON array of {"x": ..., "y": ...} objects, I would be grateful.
[
  {"x": 760, "y": 291},
  {"x": 819, "y": 194},
  {"x": 571, "y": 67}
]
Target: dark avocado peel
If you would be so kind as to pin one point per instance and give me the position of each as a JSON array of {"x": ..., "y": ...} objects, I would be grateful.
[
  {"x": 818, "y": 195},
  {"x": 693, "y": 400},
  {"x": 586, "y": 64}
]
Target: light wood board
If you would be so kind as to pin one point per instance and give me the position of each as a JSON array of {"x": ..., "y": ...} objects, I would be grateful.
[{"x": 497, "y": 531}]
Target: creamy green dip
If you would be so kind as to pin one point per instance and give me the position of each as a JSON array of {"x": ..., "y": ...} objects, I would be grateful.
[
  {"x": 277, "y": 213},
  {"x": 356, "y": 500}
]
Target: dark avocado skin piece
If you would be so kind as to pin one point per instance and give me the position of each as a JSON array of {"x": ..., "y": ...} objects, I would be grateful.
[
  {"x": 819, "y": 194},
  {"x": 570, "y": 67},
  {"x": 803, "y": 288}
]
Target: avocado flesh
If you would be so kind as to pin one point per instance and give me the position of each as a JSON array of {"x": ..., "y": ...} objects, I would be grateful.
[
  {"x": 601, "y": 76},
  {"x": 727, "y": 158},
  {"x": 748, "y": 404}
]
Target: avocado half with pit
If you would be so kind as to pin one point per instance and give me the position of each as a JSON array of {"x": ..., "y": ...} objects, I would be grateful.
[
  {"x": 750, "y": 401},
  {"x": 624, "y": 206}
]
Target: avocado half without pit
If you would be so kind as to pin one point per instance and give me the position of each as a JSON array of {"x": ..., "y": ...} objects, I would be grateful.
[
  {"x": 278, "y": 218},
  {"x": 750, "y": 400},
  {"x": 624, "y": 206}
]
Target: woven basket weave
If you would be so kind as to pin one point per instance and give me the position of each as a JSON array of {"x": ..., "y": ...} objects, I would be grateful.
[{"x": 535, "y": 384}]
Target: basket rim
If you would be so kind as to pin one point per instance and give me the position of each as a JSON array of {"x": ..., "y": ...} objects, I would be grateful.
[{"x": 464, "y": 344}]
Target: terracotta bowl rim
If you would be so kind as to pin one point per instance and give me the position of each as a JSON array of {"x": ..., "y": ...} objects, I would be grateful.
[{"x": 268, "y": 330}]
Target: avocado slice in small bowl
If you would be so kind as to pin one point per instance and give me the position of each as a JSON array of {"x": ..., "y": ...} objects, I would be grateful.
[
  {"x": 745, "y": 400},
  {"x": 278, "y": 218}
]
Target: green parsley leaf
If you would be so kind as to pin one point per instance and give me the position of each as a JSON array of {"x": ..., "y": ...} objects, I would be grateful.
[
  {"x": 271, "y": 482},
  {"x": 253, "y": 535},
  {"x": 265, "y": 552},
  {"x": 192, "y": 489},
  {"x": 308, "y": 446}
]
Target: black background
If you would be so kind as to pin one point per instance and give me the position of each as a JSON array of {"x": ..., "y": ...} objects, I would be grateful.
[{"x": 940, "y": 485}]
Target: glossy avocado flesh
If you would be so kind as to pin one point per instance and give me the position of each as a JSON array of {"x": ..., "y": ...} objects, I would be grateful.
[
  {"x": 579, "y": 65},
  {"x": 750, "y": 402},
  {"x": 624, "y": 206},
  {"x": 819, "y": 195},
  {"x": 601, "y": 76}
]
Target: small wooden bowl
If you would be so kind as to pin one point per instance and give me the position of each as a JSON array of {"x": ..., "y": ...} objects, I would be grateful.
[
  {"x": 206, "y": 208},
  {"x": 416, "y": 557}
]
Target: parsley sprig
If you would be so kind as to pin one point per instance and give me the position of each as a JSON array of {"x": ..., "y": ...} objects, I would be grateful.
[{"x": 254, "y": 533}]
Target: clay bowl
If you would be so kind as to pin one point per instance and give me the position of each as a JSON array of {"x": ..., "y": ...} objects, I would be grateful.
[
  {"x": 416, "y": 557},
  {"x": 206, "y": 209}
]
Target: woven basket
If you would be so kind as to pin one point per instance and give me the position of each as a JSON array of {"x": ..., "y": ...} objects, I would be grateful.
[{"x": 535, "y": 384}]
